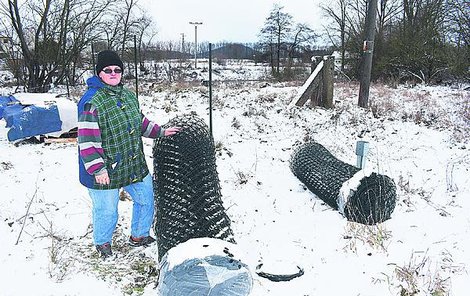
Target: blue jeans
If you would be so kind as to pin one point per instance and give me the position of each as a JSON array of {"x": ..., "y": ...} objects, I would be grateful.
[{"x": 105, "y": 210}]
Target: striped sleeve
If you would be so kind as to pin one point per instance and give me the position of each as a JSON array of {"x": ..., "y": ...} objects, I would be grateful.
[
  {"x": 151, "y": 129},
  {"x": 89, "y": 140}
]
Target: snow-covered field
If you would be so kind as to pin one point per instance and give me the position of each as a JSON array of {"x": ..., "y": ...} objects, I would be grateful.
[{"x": 418, "y": 136}]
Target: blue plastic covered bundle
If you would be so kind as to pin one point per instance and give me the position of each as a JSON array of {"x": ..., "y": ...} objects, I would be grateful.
[{"x": 204, "y": 267}]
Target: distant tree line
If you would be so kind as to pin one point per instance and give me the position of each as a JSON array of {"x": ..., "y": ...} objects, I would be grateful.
[
  {"x": 48, "y": 37},
  {"x": 50, "y": 40},
  {"x": 421, "y": 40}
]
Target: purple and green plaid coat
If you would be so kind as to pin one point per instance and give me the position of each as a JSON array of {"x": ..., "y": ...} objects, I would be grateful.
[{"x": 110, "y": 127}]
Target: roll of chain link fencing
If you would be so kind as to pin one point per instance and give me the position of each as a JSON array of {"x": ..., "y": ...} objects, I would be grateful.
[
  {"x": 190, "y": 217},
  {"x": 366, "y": 199},
  {"x": 187, "y": 193}
]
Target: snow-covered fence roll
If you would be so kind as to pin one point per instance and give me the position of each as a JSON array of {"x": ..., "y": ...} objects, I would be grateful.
[
  {"x": 362, "y": 198},
  {"x": 204, "y": 267},
  {"x": 188, "y": 201}
]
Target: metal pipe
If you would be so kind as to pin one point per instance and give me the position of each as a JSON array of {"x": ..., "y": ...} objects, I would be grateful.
[
  {"x": 210, "y": 88},
  {"x": 135, "y": 66},
  {"x": 362, "y": 149},
  {"x": 93, "y": 57}
]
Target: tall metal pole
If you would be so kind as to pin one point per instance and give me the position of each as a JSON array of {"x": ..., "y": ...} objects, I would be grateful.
[
  {"x": 135, "y": 67},
  {"x": 367, "y": 50},
  {"x": 93, "y": 57},
  {"x": 195, "y": 41},
  {"x": 182, "y": 43},
  {"x": 210, "y": 88}
]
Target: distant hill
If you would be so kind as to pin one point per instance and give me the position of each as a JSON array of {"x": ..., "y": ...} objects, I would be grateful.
[
  {"x": 233, "y": 51},
  {"x": 160, "y": 54}
]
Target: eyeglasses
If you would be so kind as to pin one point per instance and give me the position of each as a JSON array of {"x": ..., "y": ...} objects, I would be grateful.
[{"x": 109, "y": 71}]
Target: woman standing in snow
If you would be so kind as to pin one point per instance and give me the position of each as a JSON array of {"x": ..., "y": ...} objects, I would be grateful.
[{"x": 111, "y": 156}]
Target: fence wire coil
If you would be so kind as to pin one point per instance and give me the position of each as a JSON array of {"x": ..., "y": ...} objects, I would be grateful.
[
  {"x": 187, "y": 193},
  {"x": 373, "y": 201}
]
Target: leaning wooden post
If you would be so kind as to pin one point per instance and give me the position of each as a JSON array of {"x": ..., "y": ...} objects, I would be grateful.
[
  {"x": 319, "y": 86},
  {"x": 327, "y": 75}
]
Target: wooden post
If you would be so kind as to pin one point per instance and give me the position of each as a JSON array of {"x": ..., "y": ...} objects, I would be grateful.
[
  {"x": 327, "y": 89},
  {"x": 319, "y": 86}
]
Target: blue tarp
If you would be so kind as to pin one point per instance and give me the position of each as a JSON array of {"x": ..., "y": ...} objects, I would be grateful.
[
  {"x": 6, "y": 102},
  {"x": 27, "y": 121}
]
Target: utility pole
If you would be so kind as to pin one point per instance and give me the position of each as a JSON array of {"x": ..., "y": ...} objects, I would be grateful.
[
  {"x": 367, "y": 50},
  {"x": 195, "y": 41}
]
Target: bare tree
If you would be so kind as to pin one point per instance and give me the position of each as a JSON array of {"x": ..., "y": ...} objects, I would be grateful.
[
  {"x": 338, "y": 13},
  {"x": 122, "y": 18},
  {"x": 388, "y": 15},
  {"x": 458, "y": 20},
  {"x": 356, "y": 19},
  {"x": 128, "y": 22},
  {"x": 11, "y": 51},
  {"x": 422, "y": 38},
  {"x": 275, "y": 33},
  {"x": 145, "y": 32},
  {"x": 302, "y": 36},
  {"x": 458, "y": 35},
  {"x": 51, "y": 34}
]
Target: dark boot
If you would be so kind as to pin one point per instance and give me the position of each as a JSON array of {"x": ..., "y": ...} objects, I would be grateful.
[
  {"x": 143, "y": 241},
  {"x": 104, "y": 250}
]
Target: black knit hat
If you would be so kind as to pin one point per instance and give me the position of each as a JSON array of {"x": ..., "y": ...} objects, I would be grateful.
[{"x": 108, "y": 58}]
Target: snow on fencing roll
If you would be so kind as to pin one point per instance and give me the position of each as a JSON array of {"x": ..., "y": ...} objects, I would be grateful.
[
  {"x": 204, "y": 267},
  {"x": 360, "y": 197},
  {"x": 188, "y": 201}
]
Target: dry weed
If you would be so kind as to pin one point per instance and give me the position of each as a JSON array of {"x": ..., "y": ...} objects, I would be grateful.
[
  {"x": 382, "y": 108},
  {"x": 419, "y": 276},
  {"x": 60, "y": 261},
  {"x": 242, "y": 177},
  {"x": 6, "y": 165},
  {"x": 376, "y": 236},
  {"x": 266, "y": 98},
  {"x": 382, "y": 91},
  {"x": 236, "y": 123}
]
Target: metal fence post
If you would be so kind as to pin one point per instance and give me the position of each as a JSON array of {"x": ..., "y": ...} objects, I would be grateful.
[{"x": 362, "y": 149}]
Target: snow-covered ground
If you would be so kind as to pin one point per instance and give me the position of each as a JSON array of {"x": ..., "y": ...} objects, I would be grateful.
[{"x": 418, "y": 136}]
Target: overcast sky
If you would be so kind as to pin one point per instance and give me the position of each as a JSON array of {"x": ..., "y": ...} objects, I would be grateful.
[{"x": 224, "y": 20}]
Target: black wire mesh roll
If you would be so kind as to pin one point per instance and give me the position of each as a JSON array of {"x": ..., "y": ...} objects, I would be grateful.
[
  {"x": 188, "y": 200},
  {"x": 373, "y": 201}
]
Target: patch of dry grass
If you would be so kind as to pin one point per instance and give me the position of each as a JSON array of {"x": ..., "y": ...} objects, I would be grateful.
[
  {"x": 376, "y": 237},
  {"x": 421, "y": 276}
]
